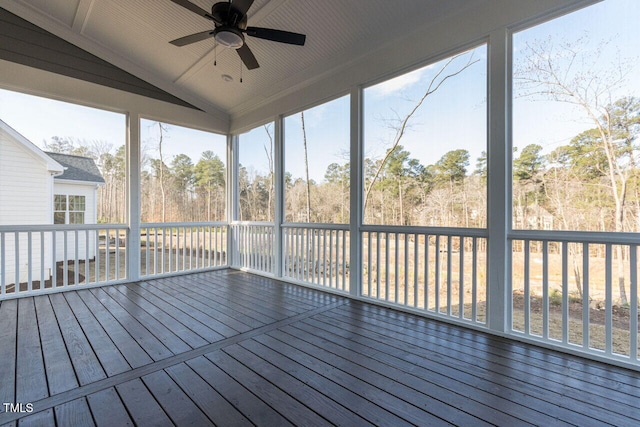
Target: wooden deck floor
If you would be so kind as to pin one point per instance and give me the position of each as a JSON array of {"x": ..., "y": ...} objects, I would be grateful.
[{"x": 228, "y": 348}]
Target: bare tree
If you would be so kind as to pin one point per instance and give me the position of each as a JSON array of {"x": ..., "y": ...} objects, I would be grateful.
[
  {"x": 570, "y": 72},
  {"x": 402, "y": 124},
  {"x": 306, "y": 166}
]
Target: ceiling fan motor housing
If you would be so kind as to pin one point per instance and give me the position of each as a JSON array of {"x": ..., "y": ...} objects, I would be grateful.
[{"x": 229, "y": 16}]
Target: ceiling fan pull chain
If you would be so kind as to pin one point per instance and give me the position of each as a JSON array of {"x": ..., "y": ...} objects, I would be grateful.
[
  {"x": 215, "y": 54},
  {"x": 240, "y": 71}
]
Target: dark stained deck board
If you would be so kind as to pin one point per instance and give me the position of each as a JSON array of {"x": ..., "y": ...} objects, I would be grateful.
[
  {"x": 151, "y": 344},
  {"x": 74, "y": 413},
  {"x": 31, "y": 379},
  {"x": 242, "y": 399},
  {"x": 8, "y": 338},
  {"x": 477, "y": 402},
  {"x": 85, "y": 362},
  {"x": 277, "y": 399},
  {"x": 447, "y": 367},
  {"x": 237, "y": 301},
  {"x": 357, "y": 404},
  {"x": 217, "y": 317},
  {"x": 329, "y": 409},
  {"x": 534, "y": 384},
  {"x": 186, "y": 316},
  {"x": 60, "y": 374},
  {"x": 256, "y": 351},
  {"x": 453, "y": 406},
  {"x": 180, "y": 408},
  {"x": 287, "y": 297},
  {"x": 135, "y": 302},
  {"x": 210, "y": 402},
  {"x": 107, "y": 409},
  {"x": 141, "y": 405},
  {"x": 543, "y": 372},
  {"x": 209, "y": 306},
  {"x": 38, "y": 419},
  {"x": 129, "y": 347},
  {"x": 106, "y": 351},
  {"x": 159, "y": 329}
]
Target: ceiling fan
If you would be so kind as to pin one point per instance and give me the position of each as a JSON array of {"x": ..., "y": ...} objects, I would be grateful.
[{"x": 230, "y": 21}]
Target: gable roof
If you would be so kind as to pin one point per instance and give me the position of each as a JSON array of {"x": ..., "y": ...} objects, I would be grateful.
[
  {"x": 77, "y": 168},
  {"x": 52, "y": 165}
]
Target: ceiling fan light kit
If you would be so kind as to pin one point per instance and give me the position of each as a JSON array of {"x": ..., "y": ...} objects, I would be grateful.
[{"x": 230, "y": 21}]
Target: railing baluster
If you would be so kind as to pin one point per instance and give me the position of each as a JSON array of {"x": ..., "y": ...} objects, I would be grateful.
[
  {"x": 377, "y": 264},
  {"x": 29, "y": 262},
  {"x": 545, "y": 290},
  {"x": 54, "y": 267},
  {"x": 3, "y": 282},
  {"x": 42, "y": 261},
  {"x": 437, "y": 271},
  {"x": 65, "y": 265},
  {"x": 369, "y": 264},
  {"x": 608, "y": 322},
  {"x": 87, "y": 255},
  {"x": 633, "y": 307},
  {"x": 449, "y": 273},
  {"x": 461, "y": 242},
  {"x": 386, "y": 269},
  {"x": 585, "y": 296},
  {"x": 344, "y": 260},
  {"x": 76, "y": 264},
  {"x": 416, "y": 250},
  {"x": 406, "y": 269},
  {"x": 426, "y": 272},
  {"x": 332, "y": 282},
  {"x": 16, "y": 243},
  {"x": 396, "y": 269},
  {"x": 474, "y": 280},
  {"x": 527, "y": 300},
  {"x": 565, "y": 292}
]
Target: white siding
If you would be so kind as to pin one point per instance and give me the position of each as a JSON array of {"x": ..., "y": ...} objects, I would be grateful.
[{"x": 25, "y": 198}]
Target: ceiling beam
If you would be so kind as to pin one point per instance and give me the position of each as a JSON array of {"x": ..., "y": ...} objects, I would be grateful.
[{"x": 82, "y": 15}]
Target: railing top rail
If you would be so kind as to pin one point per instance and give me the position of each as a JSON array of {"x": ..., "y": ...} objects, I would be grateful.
[
  {"x": 262, "y": 223},
  {"x": 183, "y": 224},
  {"x": 602, "y": 237},
  {"x": 60, "y": 227},
  {"x": 411, "y": 229},
  {"x": 316, "y": 225}
]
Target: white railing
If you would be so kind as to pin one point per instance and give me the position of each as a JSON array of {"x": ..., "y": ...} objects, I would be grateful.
[
  {"x": 253, "y": 246},
  {"x": 317, "y": 254},
  {"x": 41, "y": 258},
  {"x": 174, "y": 247},
  {"x": 578, "y": 290},
  {"x": 440, "y": 271}
]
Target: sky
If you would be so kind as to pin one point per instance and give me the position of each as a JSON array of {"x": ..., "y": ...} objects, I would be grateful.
[{"x": 453, "y": 117}]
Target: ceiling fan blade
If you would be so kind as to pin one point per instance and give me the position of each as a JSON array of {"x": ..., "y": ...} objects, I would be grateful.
[
  {"x": 183, "y": 41},
  {"x": 196, "y": 9},
  {"x": 247, "y": 57},
  {"x": 242, "y": 5},
  {"x": 276, "y": 35}
]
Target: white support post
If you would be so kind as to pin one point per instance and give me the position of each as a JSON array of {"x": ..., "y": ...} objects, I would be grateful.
[
  {"x": 133, "y": 196},
  {"x": 498, "y": 176},
  {"x": 356, "y": 193},
  {"x": 278, "y": 215},
  {"x": 233, "y": 198}
]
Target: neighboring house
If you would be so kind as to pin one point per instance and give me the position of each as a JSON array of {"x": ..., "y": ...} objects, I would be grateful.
[{"x": 44, "y": 188}]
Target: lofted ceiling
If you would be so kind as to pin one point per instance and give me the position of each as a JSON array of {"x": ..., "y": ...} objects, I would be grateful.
[{"x": 134, "y": 35}]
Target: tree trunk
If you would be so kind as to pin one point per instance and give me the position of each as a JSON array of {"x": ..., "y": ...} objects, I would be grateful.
[{"x": 306, "y": 167}]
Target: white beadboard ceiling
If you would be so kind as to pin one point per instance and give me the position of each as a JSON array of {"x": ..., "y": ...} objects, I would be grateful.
[{"x": 134, "y": 35}]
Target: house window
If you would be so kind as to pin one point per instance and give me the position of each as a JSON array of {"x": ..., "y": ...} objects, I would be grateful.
[
  {"x": 60, "y": 209},
  {"x": 69, "y": 209}
]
